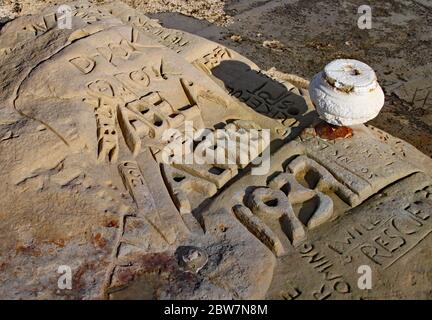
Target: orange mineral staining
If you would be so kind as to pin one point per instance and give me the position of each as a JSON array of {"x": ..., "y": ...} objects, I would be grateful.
[{"x": 332, "y": 132}]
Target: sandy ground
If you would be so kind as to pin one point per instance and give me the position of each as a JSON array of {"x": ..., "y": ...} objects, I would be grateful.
[
  {"x": 210, "y": 10},
  {"x": 301, "y": 36}
]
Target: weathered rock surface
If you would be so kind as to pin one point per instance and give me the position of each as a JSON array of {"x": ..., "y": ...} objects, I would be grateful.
[{"x": 82, "y": 116}]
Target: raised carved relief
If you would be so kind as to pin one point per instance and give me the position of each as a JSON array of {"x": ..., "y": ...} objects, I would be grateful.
[
  {"x": 305, "y": 185},
  {"x": 140, "y": 192},
  {"x": 365, "y": 165},
  {"x": 84, "y": 64},
  {"x": 121, "y": 50},
  {"x": 212, "y": 59},
  {"x": 260, "y": 92},
  {"x": 105, "y": 108}
]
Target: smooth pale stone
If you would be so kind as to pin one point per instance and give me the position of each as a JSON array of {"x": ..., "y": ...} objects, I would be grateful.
[{"x": 346, "y": 93}]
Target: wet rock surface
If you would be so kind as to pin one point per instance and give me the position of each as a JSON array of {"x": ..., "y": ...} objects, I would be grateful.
[{"x": 83, "y": 113}]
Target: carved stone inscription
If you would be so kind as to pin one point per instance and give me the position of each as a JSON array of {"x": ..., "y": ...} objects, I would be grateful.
[
  {"x": 365, "y": 165},
  {"x": 381, "y": 234}
]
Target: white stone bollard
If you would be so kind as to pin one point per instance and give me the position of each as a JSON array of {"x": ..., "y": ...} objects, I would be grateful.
[{"x": 346, "y": 93}]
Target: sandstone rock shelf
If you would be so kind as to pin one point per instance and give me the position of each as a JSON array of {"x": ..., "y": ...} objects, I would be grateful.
[{"x": 83, "y": 114}]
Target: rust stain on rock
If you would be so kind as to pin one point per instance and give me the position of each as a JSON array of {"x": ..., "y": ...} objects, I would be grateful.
[
  {"x": 112, "y": 224},
  {"x": 99, "y": 241},
  {"x": 30, "y": 250},
  {"x": 331, "y": 132}
]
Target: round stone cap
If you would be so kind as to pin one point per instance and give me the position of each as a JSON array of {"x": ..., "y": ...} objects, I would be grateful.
[
  {"x": 350, "y": 75},
  {"x": 346, "y": 93}
]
